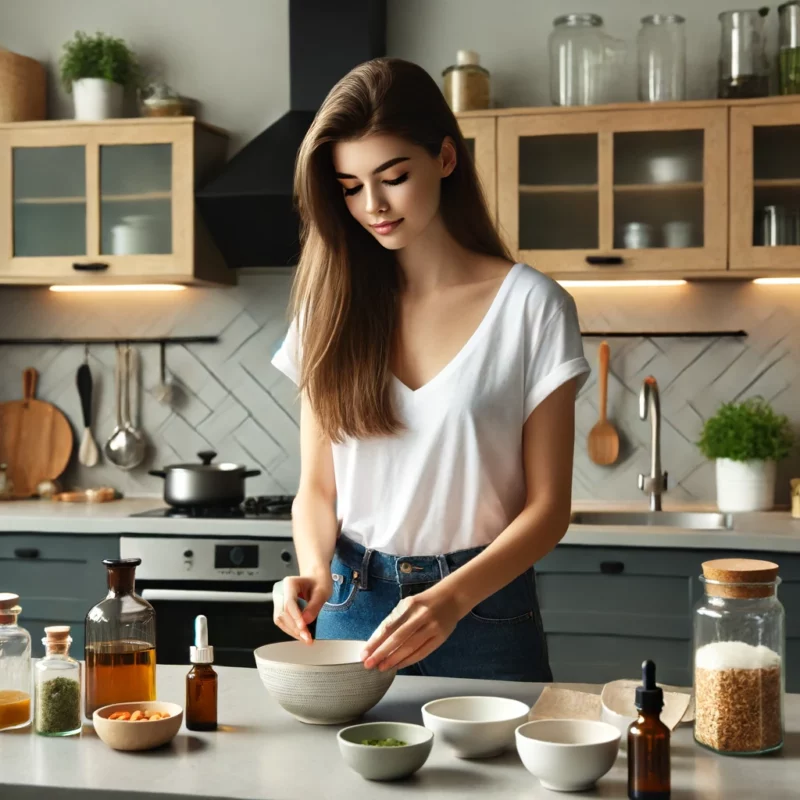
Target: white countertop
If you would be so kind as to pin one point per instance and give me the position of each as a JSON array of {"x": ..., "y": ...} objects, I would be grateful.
[
  {"x": 262, "y": 753},
  {"x": 774, "y": 531}
]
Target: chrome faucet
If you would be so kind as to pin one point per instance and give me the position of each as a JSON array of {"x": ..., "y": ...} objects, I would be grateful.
[{"x": 649, "y": 404}]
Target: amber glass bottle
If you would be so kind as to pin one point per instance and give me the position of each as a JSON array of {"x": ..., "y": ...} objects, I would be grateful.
[
  {"x": 648, "y": 742},
  {"x": 201, "y": 682}
]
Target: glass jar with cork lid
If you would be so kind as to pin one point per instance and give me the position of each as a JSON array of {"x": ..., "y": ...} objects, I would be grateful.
[
  {"x": 15, "y": 666},
  {"x": 466, "y": 83},
  {"x": 739, "y": 653},
  {"x": 58, "y": 686}
]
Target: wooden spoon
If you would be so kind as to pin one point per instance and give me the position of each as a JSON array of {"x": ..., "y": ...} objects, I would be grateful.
[{"x": 603, "y": 443}]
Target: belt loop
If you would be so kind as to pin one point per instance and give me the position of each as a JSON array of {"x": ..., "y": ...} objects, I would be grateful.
[
  {"x": 444, "y": 567},
  {"x": 363, "y": 578}
]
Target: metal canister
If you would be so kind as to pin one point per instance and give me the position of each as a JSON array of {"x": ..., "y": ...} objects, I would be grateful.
[
  {"x": 773, "y": 226},
  {"x": 637, "y": 236}
]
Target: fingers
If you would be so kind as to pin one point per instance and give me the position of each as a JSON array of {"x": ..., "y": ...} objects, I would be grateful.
[
  {"x": 396, "y": 618},
  {"x": 408, "y": 650},
  {"x": 399, "y": 638},
  {"x": 319, "y": 595},
  {"x": 289, "y": 618},
  {"x": 422, "y": 652}
]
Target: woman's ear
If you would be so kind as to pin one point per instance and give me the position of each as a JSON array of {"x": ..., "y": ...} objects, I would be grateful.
[{"x": 447, "y": 156}]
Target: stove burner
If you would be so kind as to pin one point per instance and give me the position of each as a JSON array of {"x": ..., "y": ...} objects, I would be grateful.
[
  {"x": 204, "y": 512},
  {"x": 269, "y": 506},
  {"x": 278, "y": 507}
]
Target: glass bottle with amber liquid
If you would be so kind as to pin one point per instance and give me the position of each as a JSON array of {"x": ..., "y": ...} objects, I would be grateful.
[
  {"x": 648, "y": 742},
  {"x": 201, "y": 682},
  {"x": 120, "y": 642}
]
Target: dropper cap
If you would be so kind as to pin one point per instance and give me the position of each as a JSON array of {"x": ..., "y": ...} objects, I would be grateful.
[
  {"x": 201, "y": 653},
  {"x": 649, "y": 697}
]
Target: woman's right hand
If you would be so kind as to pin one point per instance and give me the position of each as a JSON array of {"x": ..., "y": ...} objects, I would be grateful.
[{"x": 314, "y": 590}]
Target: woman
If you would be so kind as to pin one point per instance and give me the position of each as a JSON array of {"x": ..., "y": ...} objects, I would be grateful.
[{"x": 438, "y": 384}]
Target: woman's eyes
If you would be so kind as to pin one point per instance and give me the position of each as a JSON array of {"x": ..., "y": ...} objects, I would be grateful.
[{"x": 396, "y": 182}]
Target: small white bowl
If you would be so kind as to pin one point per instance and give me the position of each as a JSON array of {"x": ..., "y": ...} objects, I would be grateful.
[
  {"x": 475, "y": 727},
  {"x": 324, "y": 683},
  {"x": 125, "y": 735},
  {"x": 568, "y": 755},
  {"x": 620, "y": 721},
  {"x": 385, "y": 763}
]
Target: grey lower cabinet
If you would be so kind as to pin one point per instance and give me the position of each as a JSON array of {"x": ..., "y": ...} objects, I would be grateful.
[
  {"x": 605, "y": 610},
  {"x": 58, "y": 577}
]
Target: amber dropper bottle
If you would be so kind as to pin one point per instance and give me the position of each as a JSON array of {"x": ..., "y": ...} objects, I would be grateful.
[
  {"x": 648, "y": 742},
  {"x": 201, "y": 682}
]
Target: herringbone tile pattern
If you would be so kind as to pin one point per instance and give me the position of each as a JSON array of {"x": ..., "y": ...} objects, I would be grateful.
[{"x": 229, "y": 397}]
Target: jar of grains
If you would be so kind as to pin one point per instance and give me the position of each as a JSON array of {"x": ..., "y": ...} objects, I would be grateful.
[{"x": 739, "y": 645}]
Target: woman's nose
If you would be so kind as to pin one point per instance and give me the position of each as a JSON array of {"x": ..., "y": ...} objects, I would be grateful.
[{"x": 376, "y": 202}]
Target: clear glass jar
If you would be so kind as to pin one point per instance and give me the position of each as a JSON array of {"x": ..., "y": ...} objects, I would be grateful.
[
  {"x": 120, "y": 642},
  {"x": 57, "y": 685},
  {"x": 15, "y": 666},
  {"x": 743, "y": 64},
  {"x": 661, "y": 46},
  {"x": 466, "y": 83},
  {"x": 789, "y": 47},
  {"x": 585, "y": 62},
  {"x": 739, "y": 653}
]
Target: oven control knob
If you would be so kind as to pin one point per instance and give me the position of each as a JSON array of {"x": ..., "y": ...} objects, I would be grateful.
[
  {"x": 236, "y": 556},
  {"x": 286, "y": 557},
  {"x": 188, "y": 554}
]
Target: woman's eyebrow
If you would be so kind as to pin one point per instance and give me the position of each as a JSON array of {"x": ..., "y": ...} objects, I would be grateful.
[{"x": 382, "y": 168}]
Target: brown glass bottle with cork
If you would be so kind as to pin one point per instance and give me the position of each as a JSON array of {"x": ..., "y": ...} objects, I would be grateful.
[
  {"x": 648, "y": 742},
  {"x": 201, "y": 682},
  {"x": 120, "y": 642}
]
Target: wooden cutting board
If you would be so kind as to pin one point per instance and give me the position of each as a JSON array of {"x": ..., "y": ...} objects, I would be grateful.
[{"x": 35, "y": 439}]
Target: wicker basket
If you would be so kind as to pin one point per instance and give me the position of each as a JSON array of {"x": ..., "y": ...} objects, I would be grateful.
[{"x": 23, "y": 88}]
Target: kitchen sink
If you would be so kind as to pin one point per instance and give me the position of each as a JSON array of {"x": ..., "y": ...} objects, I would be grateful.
[{"x": 695, "y": 520}]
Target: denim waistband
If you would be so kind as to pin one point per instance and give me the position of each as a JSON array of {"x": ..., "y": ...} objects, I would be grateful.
[{"x": 399, "y": 569}]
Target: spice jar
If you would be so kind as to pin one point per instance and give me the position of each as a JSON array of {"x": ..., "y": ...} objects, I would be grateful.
[
  {"x": 120, "y": 642},
  {"x": 15, "y": 666},
  {"x": 739, "y": 647},
  {"x": 466, "y": 83},
  {"x": 789, "y": 47},
  {"x": 57, "y": 679}
]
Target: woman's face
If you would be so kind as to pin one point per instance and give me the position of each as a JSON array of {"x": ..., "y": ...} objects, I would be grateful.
[{"x": 391, "y": 187}]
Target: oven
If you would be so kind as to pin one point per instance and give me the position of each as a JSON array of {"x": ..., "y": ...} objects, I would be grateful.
[{"x": 228, "y": 580}]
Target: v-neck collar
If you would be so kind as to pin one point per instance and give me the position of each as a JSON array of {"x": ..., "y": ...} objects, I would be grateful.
[{"x": 477, "y": 334}]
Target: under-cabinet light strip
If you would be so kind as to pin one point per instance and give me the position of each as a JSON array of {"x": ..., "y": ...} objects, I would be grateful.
[
  {"x": 121, "y": 287},
  {"x": 778, "y": 281},
  {"x": 610, "y": 284}
]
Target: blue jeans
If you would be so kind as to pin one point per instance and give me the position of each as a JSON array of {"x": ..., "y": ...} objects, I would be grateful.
[{"x": 500, "y": 639}]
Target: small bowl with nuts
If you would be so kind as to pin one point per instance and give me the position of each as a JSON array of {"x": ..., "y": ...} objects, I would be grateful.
[{"x": 141, "y": 725}]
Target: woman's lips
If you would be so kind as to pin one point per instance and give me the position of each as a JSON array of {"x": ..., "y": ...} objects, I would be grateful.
[{"x": 385, "y": 228}]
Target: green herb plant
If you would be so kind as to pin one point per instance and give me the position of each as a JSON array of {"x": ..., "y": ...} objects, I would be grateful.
[
  {"x": 98, "y": 56},
  {"x": 747, "y": 431}
]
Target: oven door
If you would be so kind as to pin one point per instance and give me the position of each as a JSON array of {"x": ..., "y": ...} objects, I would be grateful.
[{"x": 239, "y": 620}]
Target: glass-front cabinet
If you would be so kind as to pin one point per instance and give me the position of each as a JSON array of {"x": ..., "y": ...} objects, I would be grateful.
[
  {"x": 765, "y": 187},
  {"x": 105, "y": 202},
  {"x": 480, "y": 134},
  {"x": 610, "y": 192}
]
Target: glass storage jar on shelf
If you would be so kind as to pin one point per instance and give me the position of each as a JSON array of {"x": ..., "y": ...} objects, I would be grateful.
[
  {"x": 789, "y": 47},
  {"x": 661, "y": 45},
  {"x": 57, "y": 679},
  {"x": 120, "y": 642},
  {"x": 586, "y": 64},
  {"x": 466, "y": 83},
  {"x": 743, "y": 64},
  {"x": 739, "y": 651},
  {"x": 15, "y": 666}
]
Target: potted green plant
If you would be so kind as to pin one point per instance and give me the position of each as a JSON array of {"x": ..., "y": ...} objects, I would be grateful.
[
  {"x": 97, "y": 69},
  {"x": 746, "y": 440}
]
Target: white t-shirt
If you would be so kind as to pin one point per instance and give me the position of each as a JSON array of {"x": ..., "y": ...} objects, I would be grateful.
[{"x": 454, "y": 478}]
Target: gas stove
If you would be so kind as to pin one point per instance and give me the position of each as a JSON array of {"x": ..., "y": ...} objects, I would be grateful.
[{"x": 275, "y": 507}]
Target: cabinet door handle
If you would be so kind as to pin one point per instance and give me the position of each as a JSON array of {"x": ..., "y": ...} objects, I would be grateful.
[
  {"x": 26, "y": 552},
  {"x": 94, "y": 266},
  {"x": 612, "y": 567},
  {"x": 604, "y": 261}
]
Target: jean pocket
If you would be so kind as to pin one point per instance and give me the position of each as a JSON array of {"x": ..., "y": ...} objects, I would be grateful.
[
  {"x": 514, "y": 603},
  {"x": 345, "y": 587}
]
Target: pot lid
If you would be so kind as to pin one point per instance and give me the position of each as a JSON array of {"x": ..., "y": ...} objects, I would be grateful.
[{"x": 206, "y": 457}]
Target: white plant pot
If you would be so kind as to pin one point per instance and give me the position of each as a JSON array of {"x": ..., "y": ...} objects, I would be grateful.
[
  {"x": 745, "y": 485},
  {"x": 97, "y": 98}
]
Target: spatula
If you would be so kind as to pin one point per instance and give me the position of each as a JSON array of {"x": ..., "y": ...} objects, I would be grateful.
[{"x": 603, "y": 443}]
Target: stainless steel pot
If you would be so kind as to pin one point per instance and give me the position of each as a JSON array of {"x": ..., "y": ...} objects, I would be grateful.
[{"x": 204, "y": 484}]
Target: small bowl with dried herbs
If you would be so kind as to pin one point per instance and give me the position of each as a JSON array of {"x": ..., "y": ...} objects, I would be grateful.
[
  {"x": 385, "y": 751},
  {"x": 138, "y": 726}
]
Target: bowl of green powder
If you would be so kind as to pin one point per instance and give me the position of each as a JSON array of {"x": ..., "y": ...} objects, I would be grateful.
[{"x": 385, "y": 751}]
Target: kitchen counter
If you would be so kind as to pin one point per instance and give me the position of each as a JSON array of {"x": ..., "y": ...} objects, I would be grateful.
[
  {"x": 773, "y": 531},
  {"x": 261, "y": 752}
]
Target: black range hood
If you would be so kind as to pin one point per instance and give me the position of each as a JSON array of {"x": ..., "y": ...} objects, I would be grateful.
[{"x": 248, "y": 207}]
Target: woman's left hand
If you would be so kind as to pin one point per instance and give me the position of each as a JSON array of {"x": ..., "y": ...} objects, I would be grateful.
[{"x": 417, "y": 626}]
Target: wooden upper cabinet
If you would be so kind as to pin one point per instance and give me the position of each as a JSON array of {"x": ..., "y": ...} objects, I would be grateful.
[
  {"x": 480, "y": 134},
  {"x": 610, "y": 192},
  {"x": 107, "y": 202},
  {"x": 765, "y": 187}
]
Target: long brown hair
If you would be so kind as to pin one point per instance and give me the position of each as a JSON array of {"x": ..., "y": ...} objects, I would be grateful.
[{"x": 345, "y": 290}]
